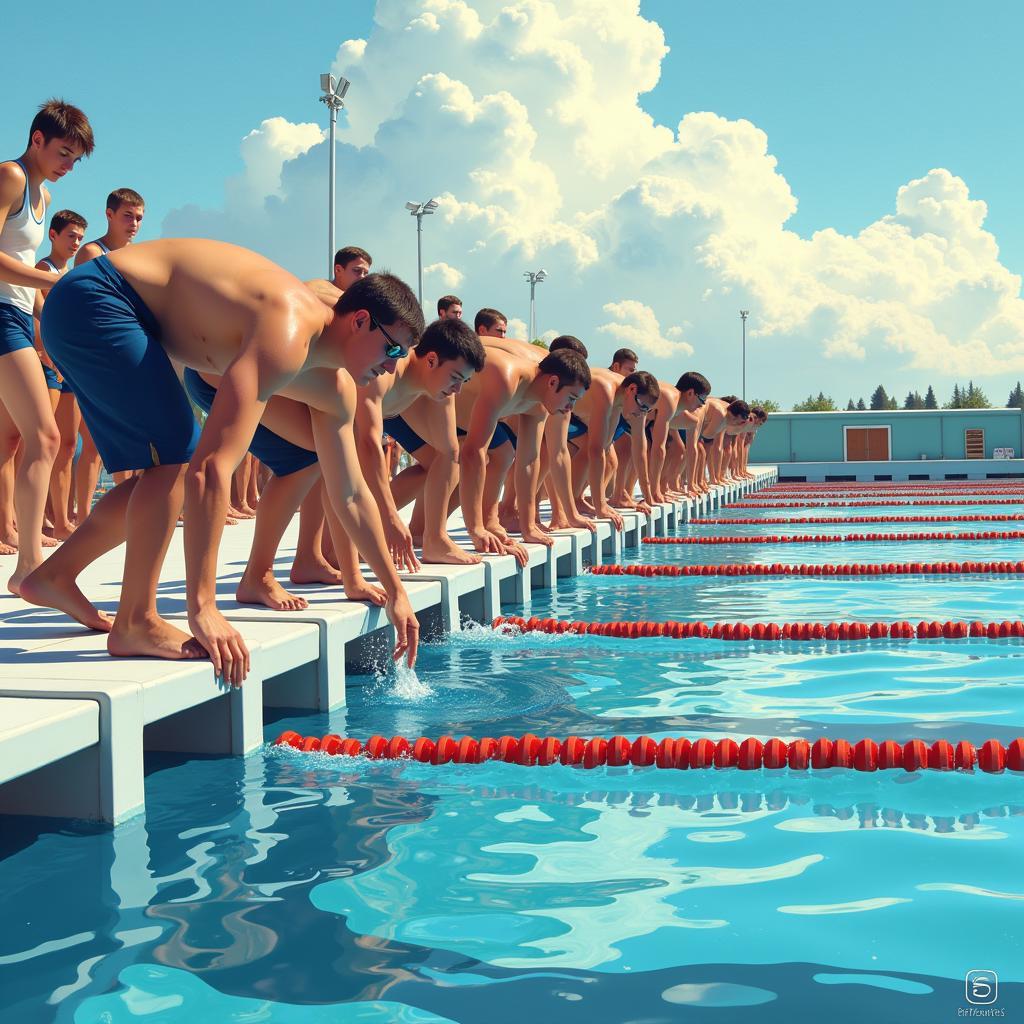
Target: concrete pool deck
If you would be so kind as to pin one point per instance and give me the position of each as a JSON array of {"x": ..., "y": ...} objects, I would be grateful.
[{"x": 74, "y": 722}]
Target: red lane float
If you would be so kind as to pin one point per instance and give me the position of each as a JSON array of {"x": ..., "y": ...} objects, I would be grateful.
[
  {"x": 824, "y": 570},
  {"x": 844, "y": 538},
  {"x": 842, "y": 520},
  {"x": 774, "y": 631},
  {"x": 867, "y": 504},
  {"x": 749, "y": 754}
]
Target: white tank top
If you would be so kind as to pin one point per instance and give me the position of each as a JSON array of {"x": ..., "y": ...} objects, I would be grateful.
[{"x": 20, "y": 237}]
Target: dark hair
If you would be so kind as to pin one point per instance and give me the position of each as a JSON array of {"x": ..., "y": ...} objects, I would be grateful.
[
  {"x": 695, "y": 381},
  {"x": 452, "y": 339},
  {"x": 445, "y": 301},
  {"x": 488, "y": 317},
  {"x": 387, "y": 298},
  {"x": 738, "y": 408},
  {"x": 343, "y": 257},
  {"x": 568, "y": 343},
  {"x": 62, "y": 218},
  {"x": 59, "y": 120},
  {"x": 646, "y": 383},
  {"x": 124, "y": 197},
  {"x": 568, "y": 366},
  {"x": 624, "y": 354},
  {"x": 761, "y": 414}
]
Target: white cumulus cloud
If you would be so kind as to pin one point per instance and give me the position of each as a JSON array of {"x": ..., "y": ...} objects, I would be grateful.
[{"x": 502, "y": 110}]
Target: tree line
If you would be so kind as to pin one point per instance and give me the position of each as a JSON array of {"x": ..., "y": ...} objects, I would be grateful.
[{"x": 963, "y": 397}]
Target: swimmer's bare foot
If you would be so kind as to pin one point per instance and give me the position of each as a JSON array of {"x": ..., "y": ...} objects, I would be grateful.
[
  {"x": 49, "y": 542},
  {"x": 361, "y": 590},
  {"x": 10, "y": 538},
  {"x": 315, "y": 570},
  {"x": 42, "y": 587},
  {"x": 265, "y": 590},
  {"x": 6, "y": 549},
  {"x": 237, "y": 513},
  {"x": 153, "y": 637},
  {"x": 444, "y": 552},
  {"x": 247, "y": 512},
  {"x": 64, "y": 531}
]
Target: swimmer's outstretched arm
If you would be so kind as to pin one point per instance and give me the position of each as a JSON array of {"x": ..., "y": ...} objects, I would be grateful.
[{"x": 351, "y": 499}]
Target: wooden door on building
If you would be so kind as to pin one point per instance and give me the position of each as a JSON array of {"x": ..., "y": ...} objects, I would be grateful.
[
  {"x": 974, "y": 443},
  {"x": 867, "y": 444}
]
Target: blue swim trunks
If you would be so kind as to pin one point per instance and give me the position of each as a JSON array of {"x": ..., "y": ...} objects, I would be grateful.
[
  {"x": 106, "y": 343},
  {"x": 623, "y": 427},
  {"x": 15, "y": 329},
  {"x": 52, "y": 378},
  {"x": 396, "y": 427},
  {"x": 577, "y": 428},
  {"x": 281, "y": 457},
  {"x": 502, "y": 433},
  {"x": 682, "y": 434}
]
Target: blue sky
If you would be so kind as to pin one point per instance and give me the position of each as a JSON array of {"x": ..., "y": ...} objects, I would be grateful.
[{"x": 855, "y": 102}]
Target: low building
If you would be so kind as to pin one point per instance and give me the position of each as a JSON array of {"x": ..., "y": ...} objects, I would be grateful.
[{"x": 928, "y": 444}]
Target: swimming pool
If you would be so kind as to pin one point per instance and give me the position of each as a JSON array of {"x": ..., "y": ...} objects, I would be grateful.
[{"x": 301, "y": 888}]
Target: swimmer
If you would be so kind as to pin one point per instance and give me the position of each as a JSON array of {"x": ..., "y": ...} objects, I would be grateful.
[
  {"x": 59, "y": 136},
  {"x": 67, "y": 231},
  {"x": 114, "y": 325}
]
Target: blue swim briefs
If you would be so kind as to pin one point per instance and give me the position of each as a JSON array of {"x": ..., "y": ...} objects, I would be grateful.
[
  {"x": 623, "y": 427},
  {"x": 15, "y": 329},
  {"x": 281, "y": 457},
  {"x": 396, "y": 427},
  {"x": 52, "y": 378},
  {"x": 502, "y": 433},
  {"x": 106, "y": 343},
  {"x": 577, "y": 428}
]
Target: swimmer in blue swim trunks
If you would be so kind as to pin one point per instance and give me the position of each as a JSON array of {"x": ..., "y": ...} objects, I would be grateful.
[
  {"x": 613, "y": 405},
  {"x": 113, "y": 327},
  {"x": 680, "y": 435},
  {"x": 67, "y": 230},
  {"x": 59, "y": 136},
  {"x": 512, "y": 383},
  {"x": 416, "y": 407},
  {"x": 719, "y": 415}
]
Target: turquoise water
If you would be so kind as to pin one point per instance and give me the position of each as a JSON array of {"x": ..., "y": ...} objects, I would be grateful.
[{"x": 301, "y": 888}]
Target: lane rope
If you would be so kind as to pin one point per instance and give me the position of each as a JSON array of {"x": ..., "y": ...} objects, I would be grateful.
[
  {"x": 845, "y": 538},
  {"x": 826, "y": 569},
  {"x": 773, "y": 631},
  {"x": 872, "y": 504},
  {"x": 749, "y": 754},
  {"x": 841, "y": 520}
]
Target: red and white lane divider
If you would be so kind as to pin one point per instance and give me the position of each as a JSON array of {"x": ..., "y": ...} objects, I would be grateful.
[
  {"x": 749, "y": 754},
  {"x": 844, "y": 538},
  {"x": 871, "y": 504},
  {"x": 842, "y": 520},
  {"x": 776, "y": 631},
  {"x": 826, "y": 569}
]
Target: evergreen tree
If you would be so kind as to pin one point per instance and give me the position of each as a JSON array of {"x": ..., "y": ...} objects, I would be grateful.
[
  {"x": 860, "y": 405},
  {"x": 892, "y": 404},
  {"x": 823, "y": 403},
  {"x": 908, "y": 402},
  {"x": 850, "y": 407},
  {"x": 1016, "y": 399},
  {"x": 929, "y": 399},
  {"x": 975, "y": 398},
  {"x": 879, "y": 400},
  {"x": 956, "y": 402}
]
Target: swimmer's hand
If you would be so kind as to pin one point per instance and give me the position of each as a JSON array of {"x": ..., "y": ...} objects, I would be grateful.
[
  {"x": 407, "y": 627},
  {"x": 223, "y": 643},
  {"x": 487, "y": 542},
  {"x": 517, "y": 551},
  {"x": 400, "y": 544},
  {"x": 607, "y": 512}
]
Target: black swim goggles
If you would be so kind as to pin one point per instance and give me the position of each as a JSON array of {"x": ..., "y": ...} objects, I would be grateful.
[{"x": 393, "y": 350}]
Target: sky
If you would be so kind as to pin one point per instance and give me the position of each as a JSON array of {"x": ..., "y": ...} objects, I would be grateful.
[{"x": 845, "y": 173}]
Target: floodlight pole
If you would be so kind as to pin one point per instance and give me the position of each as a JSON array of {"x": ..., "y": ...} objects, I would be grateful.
[
  {"x": 744, "y": 313},
  {"x": 333, "y": 93},
  {"x": 534, "y": 277},
  {"x": 419, "y": 211}
]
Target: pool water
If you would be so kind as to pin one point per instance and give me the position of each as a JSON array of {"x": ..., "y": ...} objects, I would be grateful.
[{"x": 293, "y": 887}]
